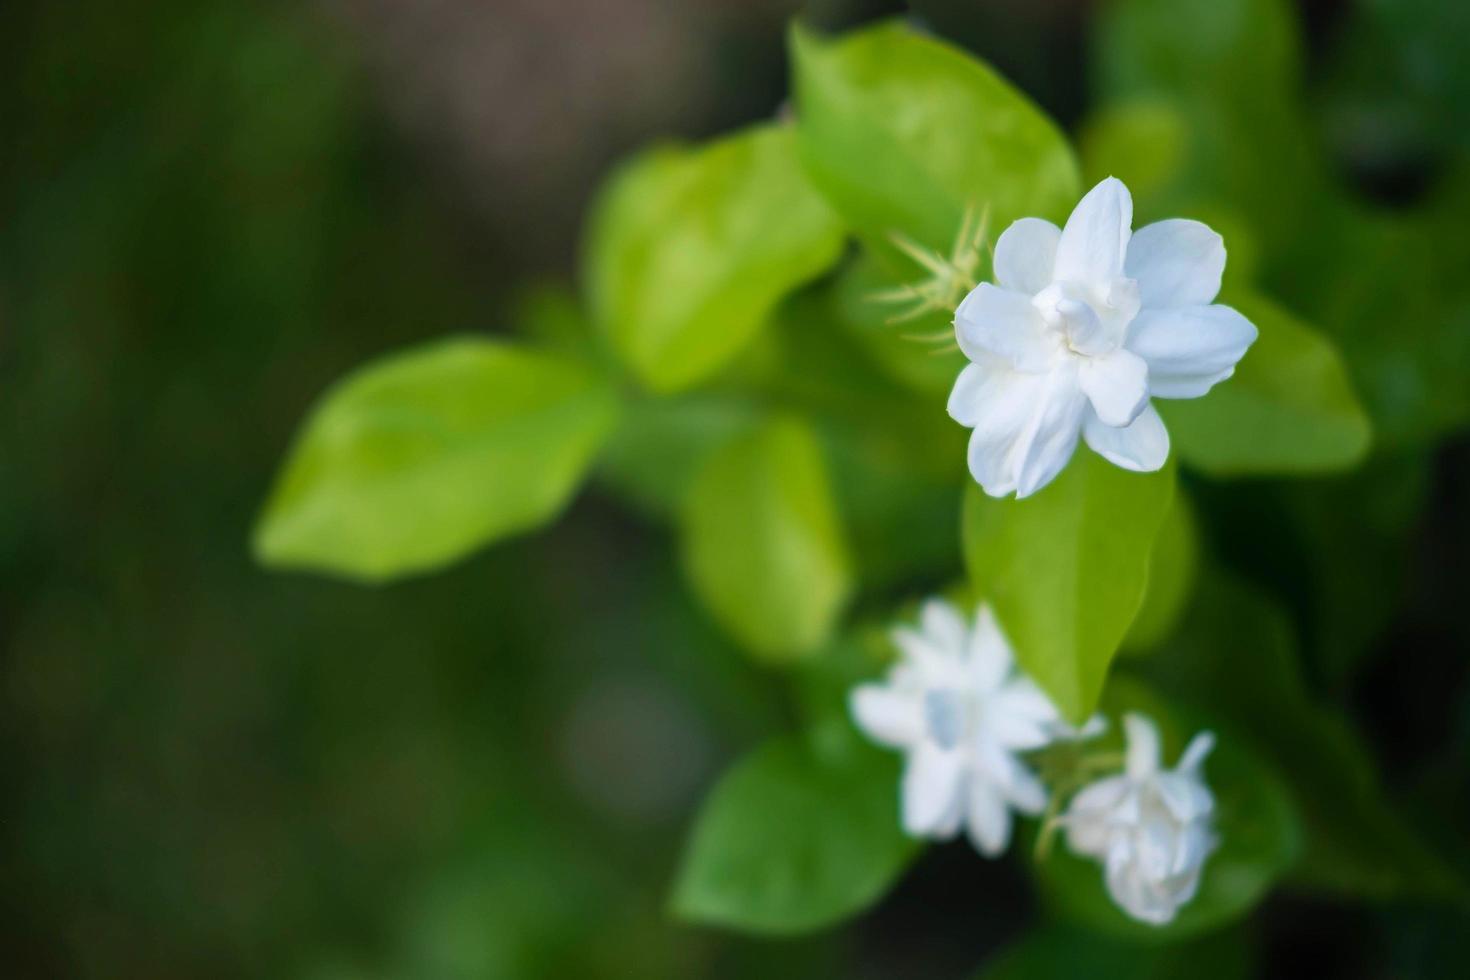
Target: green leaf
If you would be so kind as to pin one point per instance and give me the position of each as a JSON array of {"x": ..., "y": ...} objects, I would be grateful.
[
  {"x": 1290, "y": 407},
  {"x": 1067, "y": 568},
  {"x": 1254, "y": 820},
  {"x": 897, "y": 459},
  {"x": 1145, "y": 144},
  {"x": 660, "y": 444},
  {"x": 795, "y": 838},
  {"x": 1171, "y": 571},
  {"x": 1236, "y": 651},
  {"x": 1060, "y": 953},
  {"x": 421, "y": 457},
  {"x": 689, "y": 249},
  {"x": 762, "y": 542},
  {"x": 903, "y": 133}
]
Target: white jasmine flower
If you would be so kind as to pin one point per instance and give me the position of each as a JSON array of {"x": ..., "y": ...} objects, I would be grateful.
[
  {"x": 1084, "y": 325},
  {"x": 956, "y": 705},
  {"x": 1148, "y": 826}
]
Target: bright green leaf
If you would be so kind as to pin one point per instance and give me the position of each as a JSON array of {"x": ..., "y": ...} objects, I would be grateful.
[
  {"x": 421, "y": 457},
  {"x": 1171, "y": 572},
  {"x": 1254, "y": 820},
  {"x": 1066, "y": 570},
  {"x": 660, "y": 444},
  {"x": 763, "y": 545},
  {"x": 1290, "y": 407},
  {"x": 691, "y": 247},
  {"x": 903, "y": 133},
  {"x": 795, "y": 838}
]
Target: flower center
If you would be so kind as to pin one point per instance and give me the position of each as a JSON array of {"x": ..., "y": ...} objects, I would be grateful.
[
  {"x": 1092, "y": 322},
  {"x": 944, "y": 716}
]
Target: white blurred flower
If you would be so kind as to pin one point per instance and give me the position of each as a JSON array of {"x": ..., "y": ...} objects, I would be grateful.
[
  {"x": 1150, "y": 827},
  {"x": 1083, "y": 326},
  {"x": 956, "y": 705}
]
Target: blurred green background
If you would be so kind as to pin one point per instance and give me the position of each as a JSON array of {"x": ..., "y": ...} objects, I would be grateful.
[{"x": 208, "y": 212}]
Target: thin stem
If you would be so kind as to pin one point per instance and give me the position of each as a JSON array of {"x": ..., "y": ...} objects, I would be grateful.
[{"x": 1050, "y": 821}]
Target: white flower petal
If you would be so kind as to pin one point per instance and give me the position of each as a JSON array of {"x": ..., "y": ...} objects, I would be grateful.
[
  {"x": 943, "y": 626},
  {"x": 1142, "y": 446},
  {"x": 919, "y": 650},
  {"x": 968, "y": 394},
  {"x": 1185, "y": 888},
  {"x": 1047, "y": 443},
  {"x": 1178, "y": 792},
  {"x": 988, "y": 821},
  {"x": 1099, "y": 797},
  {"x": 949, "y": 824},
  {"x": 1090, "y": 819},
  {"x": 1135, "y": 894},
  {"x": 886, "y": 716},
  {"x": 1155, "y": 844},
  {"x": 1000, "y": 323},
  {"x": 995, "y": 764},
  {"x": 931, "y": 790},
  {"x": 1025, "y": 255},
  {"x": 992, "y": 761},
  {"x": 1021, "y": 717},
  {"x": 1196, "y": 750},
  {"x": 1199, "y": 844},
  {"x": 990, "y": 654},
  {"x": 1176, "y": 263},
  {"x": 1189, "y": 349},
  {"x": 1143, "y": 746},
  {"x": 1088, "y": 835},
  {"x": 1026, "y": 792},
  {"x": 1026, "y": 426},
  {"x": 1117, "y": 386},
  {"x": 1092, "y": 246}
]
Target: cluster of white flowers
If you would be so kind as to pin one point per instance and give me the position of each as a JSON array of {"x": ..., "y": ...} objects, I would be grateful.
[
  {"x": 1082, "y": 328},
  {"x": 958, "y": 707},
  {"x": 1085, "y": 325}
]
